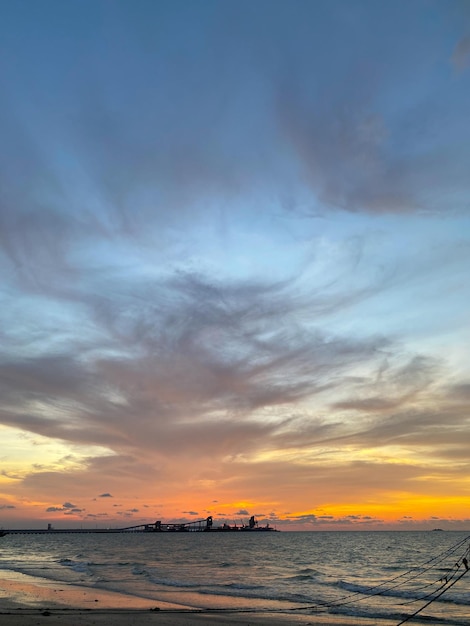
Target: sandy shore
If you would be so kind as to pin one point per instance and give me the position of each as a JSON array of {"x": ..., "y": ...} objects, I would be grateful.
[
  {"x": 30, "y": 601},
  {"x": 123, "y": 617}
]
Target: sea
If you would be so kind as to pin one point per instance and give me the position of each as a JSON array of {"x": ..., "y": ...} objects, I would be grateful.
[{"x": 389, "y": 577}]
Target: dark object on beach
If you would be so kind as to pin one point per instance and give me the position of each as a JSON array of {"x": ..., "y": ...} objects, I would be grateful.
[{"x": 3, "y": 533}]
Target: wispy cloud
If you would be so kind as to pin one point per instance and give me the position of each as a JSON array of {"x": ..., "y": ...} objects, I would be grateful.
[{"x": 234, "y": 259}]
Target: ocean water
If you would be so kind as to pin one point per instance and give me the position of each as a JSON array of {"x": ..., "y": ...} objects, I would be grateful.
[{"x": 379, "y": 575}]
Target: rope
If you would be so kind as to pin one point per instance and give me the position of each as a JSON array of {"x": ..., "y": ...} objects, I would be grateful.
[
  {"x": 407, "y": 619},
  {"x": 381, "y": 588}
]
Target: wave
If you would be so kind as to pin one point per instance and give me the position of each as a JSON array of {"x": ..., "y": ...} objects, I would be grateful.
[
  {"x": 81, "y": 567},
  {"x": 450, "y": 597}
]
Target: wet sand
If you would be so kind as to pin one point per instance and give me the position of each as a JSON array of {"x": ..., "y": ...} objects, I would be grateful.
[
  {"x": 123, "y": 617},
  {"x": 29, "y": 601}
]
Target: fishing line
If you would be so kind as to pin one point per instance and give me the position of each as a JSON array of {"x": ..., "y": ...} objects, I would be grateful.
[
  {"x": 414, "y": 572},
  {"x": 445, "y": 580},
  {"x": 350, "y": 598},
  {"x": 449, "y": 582},
  {"x": 432, "y": 600}
]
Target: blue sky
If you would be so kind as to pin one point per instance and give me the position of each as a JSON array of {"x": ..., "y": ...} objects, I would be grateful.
[{"x": 234, "y": 255}]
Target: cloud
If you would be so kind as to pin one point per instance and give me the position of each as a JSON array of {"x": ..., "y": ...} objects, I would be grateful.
[
  {"x": 353, "y": 135},
  {"x": 226, "y": 343},
  {"x": 221, "y": 409},
  {"x": 332, "y": 520},
  {"x": 244, "y": 118},
  {"x": 68, "y": 508},
  {"x": 7, "y": 506},
  {"x": 348, "y": 155},
  {"x": 168, "y": 299},
  {"x": 10, "y": 476},
  {"x": 461, "y": 55}
]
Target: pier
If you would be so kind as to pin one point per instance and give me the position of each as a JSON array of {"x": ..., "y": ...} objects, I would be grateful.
[{"x": 201, "y": 525}]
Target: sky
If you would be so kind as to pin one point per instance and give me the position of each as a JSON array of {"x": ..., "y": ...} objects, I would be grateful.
[{"x": 234, "y": 259}]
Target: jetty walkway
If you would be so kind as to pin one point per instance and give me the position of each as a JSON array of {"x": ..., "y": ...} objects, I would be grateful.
[{"x": 201, "y": 525}]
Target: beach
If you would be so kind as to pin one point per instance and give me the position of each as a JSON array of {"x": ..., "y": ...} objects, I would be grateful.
[
  {"x": 122, "y": 617},
  {"x": 27, "y": 601}
]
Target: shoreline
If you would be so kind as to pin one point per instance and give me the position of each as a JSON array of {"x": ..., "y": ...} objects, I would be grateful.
[
  {"x": 122, "y": 617},
  {"x": 26, "y": 599},
  {"x": 61, "y": 616}
]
